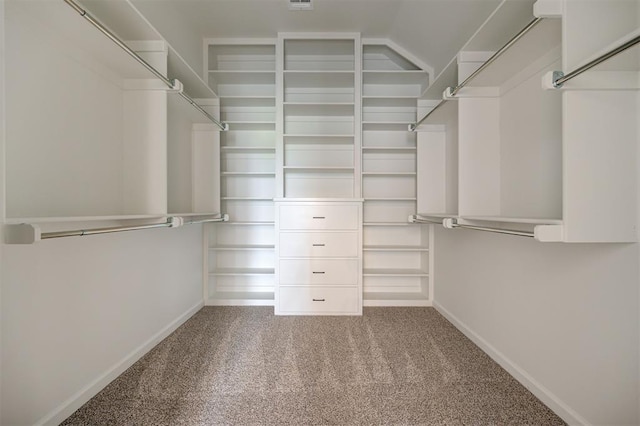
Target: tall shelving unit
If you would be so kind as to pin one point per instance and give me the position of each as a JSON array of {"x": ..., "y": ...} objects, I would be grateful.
[
  {"x": 318, "y": 104},
  {"x": 319, "y": 210},
  {"x": 396, "y": 253},
  {"x": 240, "y": 260}
]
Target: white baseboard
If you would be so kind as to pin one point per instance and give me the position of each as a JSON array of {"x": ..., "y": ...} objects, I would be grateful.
[
  {"x": 64, "y": 410},
  {"x": 541, "y": 392}
]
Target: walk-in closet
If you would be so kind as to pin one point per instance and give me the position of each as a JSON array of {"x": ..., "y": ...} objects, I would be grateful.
[{"x": 319, "y": 212}]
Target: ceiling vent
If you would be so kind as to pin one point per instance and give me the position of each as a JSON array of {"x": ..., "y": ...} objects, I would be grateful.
[{"x": 300, "y": 5}]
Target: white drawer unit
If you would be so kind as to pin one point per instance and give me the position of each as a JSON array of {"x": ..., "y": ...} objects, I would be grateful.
[
  {"x": 319, "y": 244},
  {"x": 322, "y": 217},
  {"x": 319, "y": 272},
  {"x": 319, "y": 257},
  {"x": 307, "y": 300}
]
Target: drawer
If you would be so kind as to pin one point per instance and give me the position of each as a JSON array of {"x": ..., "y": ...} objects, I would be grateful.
[
  {"x": 319, "y": 244},
  {"x": 319, "y": 217},
  {"x": 318, "y": 300},
  {"x": 318, "y": 271}
]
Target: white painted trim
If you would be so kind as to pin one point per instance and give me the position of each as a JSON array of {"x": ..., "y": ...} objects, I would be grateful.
[
  {"x": 368, "y": 303},
  {"x": 68, "y": 407},
  {"x": 536, "y": 388},
  {"x": 240, "y": 41},
  {"x": 432, "y": 262},
  {"x": 238, "y": 302}
]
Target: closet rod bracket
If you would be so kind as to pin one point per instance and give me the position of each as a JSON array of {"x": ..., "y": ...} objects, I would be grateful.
[{"x": 556, "y": 77}]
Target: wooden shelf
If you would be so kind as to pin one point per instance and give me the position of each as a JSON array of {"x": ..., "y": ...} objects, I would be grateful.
[
  {"x": 395, "y": 77},
  {"x": 388, "y": 126},
  {"x": 239, "y": 298},
  {"x": 248, "y": 174},
  {"x": 250, "y": 223},
  {"x": 389, "y": 174},
  {"x": 78, "y": 219},
  {"x": 525, "y": 220},
  {"x": 374, "y": 199},
  {"x": 390, "y": 149},
  {"x": 246, "y": 198},
  {"x": 318, "y": 136},
  {"x": 387, "y": 224},
  {"x": 318, "y": 169},
  {"x": 242, "y": 271},
  {"x": 247, "y": 149},
  {"x": 395, "y": 299},
  {"x": 394, "y": 272},
  {"x": 396, "y": 248},
  {"x": 242, "y": 248}
]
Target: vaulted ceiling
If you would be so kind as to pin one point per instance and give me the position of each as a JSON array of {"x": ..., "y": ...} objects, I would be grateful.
[{"x": 433, "y": 30}]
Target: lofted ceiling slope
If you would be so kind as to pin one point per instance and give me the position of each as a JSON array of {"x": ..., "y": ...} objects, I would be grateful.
[{"x": 432, "y": 30}]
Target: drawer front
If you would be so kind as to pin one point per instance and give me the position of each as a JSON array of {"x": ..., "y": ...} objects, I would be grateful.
[
  {"x": 318, "y": 271},
  {"x": 319, "y": 244},
  {"x": 318, "y": 217},
  {"x": 318, "y": 300}
]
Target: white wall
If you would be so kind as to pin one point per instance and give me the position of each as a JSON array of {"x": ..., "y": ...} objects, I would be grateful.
[
  {"x": 77, "y": 311},
  {"x": 564, "y": 318}
]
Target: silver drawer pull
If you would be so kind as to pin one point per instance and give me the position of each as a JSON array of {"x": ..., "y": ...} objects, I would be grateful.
[
  {"x": 318, "y": 245},
  {"x": 318, "y": 217},
  {"x": 317, "y": 272},
  {"x": 318, "y": 300}
]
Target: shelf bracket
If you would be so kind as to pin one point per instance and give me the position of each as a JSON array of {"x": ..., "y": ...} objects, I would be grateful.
[{"x": 23, "y": 233}]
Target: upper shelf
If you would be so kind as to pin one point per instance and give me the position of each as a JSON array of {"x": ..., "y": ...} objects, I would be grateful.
[
  {"x": 507, "y": 20},
  {"x": 63, "y": 20},
  {"x": 128, "y": 23},
  {"x": 540, "y": 43}
]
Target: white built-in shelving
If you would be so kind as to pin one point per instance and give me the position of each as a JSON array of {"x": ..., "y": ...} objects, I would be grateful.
[
  {"x": 506, "y": 150},
  {"x": 124, "y": 147},
  {"x": 396, "y": 254},
  {"x": 319, "y": 102},
  {"x": 240, "y": 260},
  {"x": 397, "y": 259}
]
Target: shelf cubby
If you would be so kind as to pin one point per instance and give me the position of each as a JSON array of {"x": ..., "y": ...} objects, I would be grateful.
[{"x": 319, "y": 54}]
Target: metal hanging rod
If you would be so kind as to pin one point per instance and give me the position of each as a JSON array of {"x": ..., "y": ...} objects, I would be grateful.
[
  {"x": 454, "y": 91},
  {"x": 222, "y": 218},
  {"x": 172, "y": 84},
  {"x": 30, "y": 233},
  {"x": 415, "y": 219},
  {"x": 452, "y": 223},
  {"x": 172, "y": 222},
  {"x": 559, "y": 78}
]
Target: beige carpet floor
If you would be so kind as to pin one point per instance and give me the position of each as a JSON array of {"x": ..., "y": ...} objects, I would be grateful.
[{"x": 245, "y": 366}]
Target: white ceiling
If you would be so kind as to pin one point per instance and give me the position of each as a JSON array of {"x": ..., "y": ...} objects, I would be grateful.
[{"x": 433, "y": 30}]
